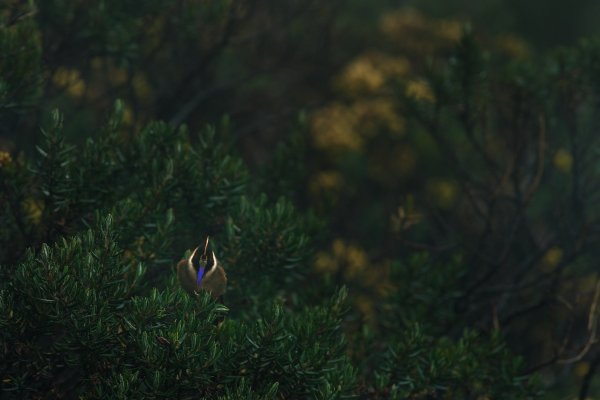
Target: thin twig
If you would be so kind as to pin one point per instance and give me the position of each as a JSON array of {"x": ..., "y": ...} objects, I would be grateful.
[{"x": 592, "y": 327}]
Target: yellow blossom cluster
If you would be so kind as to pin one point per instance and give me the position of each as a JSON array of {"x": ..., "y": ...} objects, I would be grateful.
[
  {"x": 420, "y": 90},
  {"x": 103, "y": 71},
  {"x": 352, "y": 262},
  {"x": 376, "y": 114},
  {"x": 563, "y": 160},
  {"x": 370, "y": 72},
  {"x": 343, "y": 127},
  {"x": 351, "y": 258},
  {"x": 367, "y": 118},
  {"x": 334, "y": 128},
  {"x": 418, "y": 34},
  {"x": 33, "y": 209},
  {"x": 368, "y": 81},
  {"x": 443, "y": 192},
  {"x": 70, "y": 79},
  {"x": 326, "y": 181},
  {"x": 512, "y": 46},
  {"x": 115, "y": 74},
  {"x": 551, "y": 259},
  {"x": 5, "y": 159}
]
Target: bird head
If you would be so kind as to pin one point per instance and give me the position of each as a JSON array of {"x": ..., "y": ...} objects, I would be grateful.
[
  {"x": 202, "y": 271},
  {"x": 202, "y": 261}
]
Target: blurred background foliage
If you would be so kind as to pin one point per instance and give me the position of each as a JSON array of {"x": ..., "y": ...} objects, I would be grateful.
[{"x": 445, "y": 154}]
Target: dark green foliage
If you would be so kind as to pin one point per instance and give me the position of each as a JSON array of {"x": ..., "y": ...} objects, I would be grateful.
[
  {"x": 81, "y": 316},
  {"x": 145, "y": 183},
  {"x": 415, "y": 354},
  {"x": 425, "y": 292},
  {"x": 281, "y": 255},
  {"x": 418, "y": 366},
  {"x": 71, "y": 321},
  {"x": 97, "y": 310},
  {"x": 68, "y": 314}
]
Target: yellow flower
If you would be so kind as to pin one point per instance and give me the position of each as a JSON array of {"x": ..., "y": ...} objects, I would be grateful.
[
  {"x": 33, "y": 209},
  {"x": 351, "y": 257},
  {"x": 333, "y": 128},
  {"x": 5, "y": 159},
  {"x": 325, "y": 263},
  {"x": 392, "y": 66},
  {"x": 551, "y": 259},
  {"x": 376, "y": 114},
  {"x": 420, "y": 90},
  {"x": 128, "y": 115},
  {"x": 450, "y": 30},
  {"x": 353, "y": 261},
  {"x": 69, "y": 79},
  {"x": 370, "y": 72},
  {"x": 362, "y": 75},
  {"x": 418, "y": 34},
  {"x": 443, "y": 192},
  {"x": 563, "y": 160},
  {"x": 356, "y": 260},
  {"x": 513, "y": 46},
  {"x": 582, "y": 368},
  {"x": 397, "y": 23},
  {"x": 329, "y": 181},
  {"x": 107, "y": 67},
  {"x": 142, "y": 88}
]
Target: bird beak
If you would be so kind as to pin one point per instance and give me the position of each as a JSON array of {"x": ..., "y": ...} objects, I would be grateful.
[{"x": 205, "y": 247}]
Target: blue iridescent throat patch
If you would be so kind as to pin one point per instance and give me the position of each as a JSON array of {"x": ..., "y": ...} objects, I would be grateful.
[{"x": 200, "y": 275}]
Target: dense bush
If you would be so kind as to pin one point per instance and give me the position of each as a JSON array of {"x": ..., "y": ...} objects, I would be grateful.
[{"x": 94, "y": 309}]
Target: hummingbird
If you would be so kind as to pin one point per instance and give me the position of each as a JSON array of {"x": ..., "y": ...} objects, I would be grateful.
[{"x": 202, "y": 271}]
